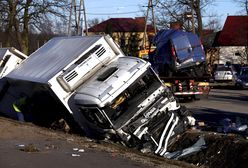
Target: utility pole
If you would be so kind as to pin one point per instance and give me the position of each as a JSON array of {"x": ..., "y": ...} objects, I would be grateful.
[
  {"x": 69, "y": 24},
  {"x": 192, "y": 16},
  {"x": 153, "y": 18},
  {"x": 79, "y": 19},
  {"x": 85, "y": 21},
  {"x": 75, "y": 15},
  {"x": 150, "y": 5}
]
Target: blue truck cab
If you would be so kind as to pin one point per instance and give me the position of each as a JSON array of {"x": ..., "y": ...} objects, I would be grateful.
[
  {"x": 176, "y": 50},
  {"x": 179, "y": 59}
]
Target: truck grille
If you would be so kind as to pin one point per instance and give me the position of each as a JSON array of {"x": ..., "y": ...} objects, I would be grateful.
[
  {"x": 71, "y": 76},
  {"x": 101, "y": 51}
]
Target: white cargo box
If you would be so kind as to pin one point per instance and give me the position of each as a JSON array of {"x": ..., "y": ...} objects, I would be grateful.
[
  {"x": 10, "y": 58},
  {"x": 65, "y": 63}
]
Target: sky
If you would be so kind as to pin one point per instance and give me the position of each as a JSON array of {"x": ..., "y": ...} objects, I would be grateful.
[{"x": 104, "y": 9}]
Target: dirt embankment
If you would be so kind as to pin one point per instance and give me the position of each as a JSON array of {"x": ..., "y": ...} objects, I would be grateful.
[{"x": 27, "y": 145}]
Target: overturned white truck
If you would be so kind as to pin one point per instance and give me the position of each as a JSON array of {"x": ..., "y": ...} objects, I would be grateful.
[{"x": 109, "y": 95}]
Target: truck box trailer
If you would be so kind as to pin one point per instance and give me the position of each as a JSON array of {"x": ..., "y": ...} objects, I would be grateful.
[{"x": 108, "y": 94}]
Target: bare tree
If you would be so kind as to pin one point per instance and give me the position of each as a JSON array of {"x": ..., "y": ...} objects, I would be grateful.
[
  {"x": 172, "y": 10},
  {"x": 93, "y": 22},
  {"x": 20, "y": 15},
  {"x": 213, "y": 22},
  {"x": 244, "y": 5}
]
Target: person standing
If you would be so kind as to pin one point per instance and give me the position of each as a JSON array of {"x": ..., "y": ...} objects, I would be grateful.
[{"x": 19, "y": 106}]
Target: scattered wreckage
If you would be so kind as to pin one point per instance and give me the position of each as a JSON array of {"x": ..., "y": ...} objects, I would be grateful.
[{"x": 108, "y": 94}]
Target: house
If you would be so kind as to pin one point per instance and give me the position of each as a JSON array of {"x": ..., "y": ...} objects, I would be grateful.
[
  {"x": 232, "y": 41},
  {"x": 127, "y": 32},
  {"x": 211, "y": 52}
]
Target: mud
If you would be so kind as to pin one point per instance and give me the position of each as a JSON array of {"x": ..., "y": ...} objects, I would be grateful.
[{"x": 222, "y": 150}]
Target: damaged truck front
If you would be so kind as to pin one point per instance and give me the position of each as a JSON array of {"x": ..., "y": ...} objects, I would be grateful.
[
  {"x": 126, "y": 100},
  {"x": 109, "y": 95}
]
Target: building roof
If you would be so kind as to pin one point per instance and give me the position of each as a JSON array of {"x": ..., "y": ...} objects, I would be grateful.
[
  {"x": 122, "y": 25},
  {"x": 235, "y": 32}
]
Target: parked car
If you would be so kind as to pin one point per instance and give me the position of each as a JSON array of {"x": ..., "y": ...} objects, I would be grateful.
[
  {"x": 242, "y": 78},
  {"x": 224, "y": 73}
]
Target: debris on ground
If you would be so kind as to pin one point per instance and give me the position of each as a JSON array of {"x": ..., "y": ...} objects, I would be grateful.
[
  {"x": 227, "y": 126},
  {"x": 60, "y": 124},
  {"x": 50, "y": 146},
  {"x": 81, "y": 150},
  {"x": 29, "y": 148},
  {"x": 198, "y": 146},
  {"x": 75, "y": 155},
  {"x": 237, "y": 125},
  {"x": 219, "y": 150}
]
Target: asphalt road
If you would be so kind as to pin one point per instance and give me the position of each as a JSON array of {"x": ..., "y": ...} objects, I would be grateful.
[{"x": 221, "y": 103}]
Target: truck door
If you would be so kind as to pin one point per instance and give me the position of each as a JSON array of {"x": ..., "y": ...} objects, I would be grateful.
[
  {"x": 182, "y": 47},
  {"x": 197, "y": 48}
]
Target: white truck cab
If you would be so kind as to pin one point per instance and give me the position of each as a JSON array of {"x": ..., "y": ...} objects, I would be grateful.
[{"x": 128, "y": 100}]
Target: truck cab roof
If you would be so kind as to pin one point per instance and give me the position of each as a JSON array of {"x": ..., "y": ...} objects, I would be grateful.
[
  {"x": 108, "y": 83},
  {"x": 187, "y": 47}
]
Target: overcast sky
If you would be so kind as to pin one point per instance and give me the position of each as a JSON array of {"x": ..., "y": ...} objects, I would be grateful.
[{"x": 104, "y": 9}]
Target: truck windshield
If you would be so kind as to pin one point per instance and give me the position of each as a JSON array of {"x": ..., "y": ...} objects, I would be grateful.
[{"x": 126, "y": 104}]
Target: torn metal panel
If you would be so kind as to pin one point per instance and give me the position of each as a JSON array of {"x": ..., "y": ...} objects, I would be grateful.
[{"x": 198, "y": 146}]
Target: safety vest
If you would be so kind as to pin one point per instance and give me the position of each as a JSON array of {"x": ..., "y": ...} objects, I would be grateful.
[{"x": 19, "y": 104}]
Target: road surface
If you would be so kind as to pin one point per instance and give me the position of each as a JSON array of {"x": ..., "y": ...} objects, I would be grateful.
[{"x": 221, "y": 103}]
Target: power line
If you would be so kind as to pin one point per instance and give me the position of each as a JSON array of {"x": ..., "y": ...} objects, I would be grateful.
[
  {"x": 108, "y": 7},
  {"x": 120, "y": 13}
]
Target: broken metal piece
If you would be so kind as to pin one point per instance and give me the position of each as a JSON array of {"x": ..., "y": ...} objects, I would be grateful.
[
  {"x": 199, "y": 145},
  {"x": 75, "y": 155}
]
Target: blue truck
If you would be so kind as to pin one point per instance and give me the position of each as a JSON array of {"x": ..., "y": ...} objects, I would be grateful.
[{"x": 180, "y": 61}]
